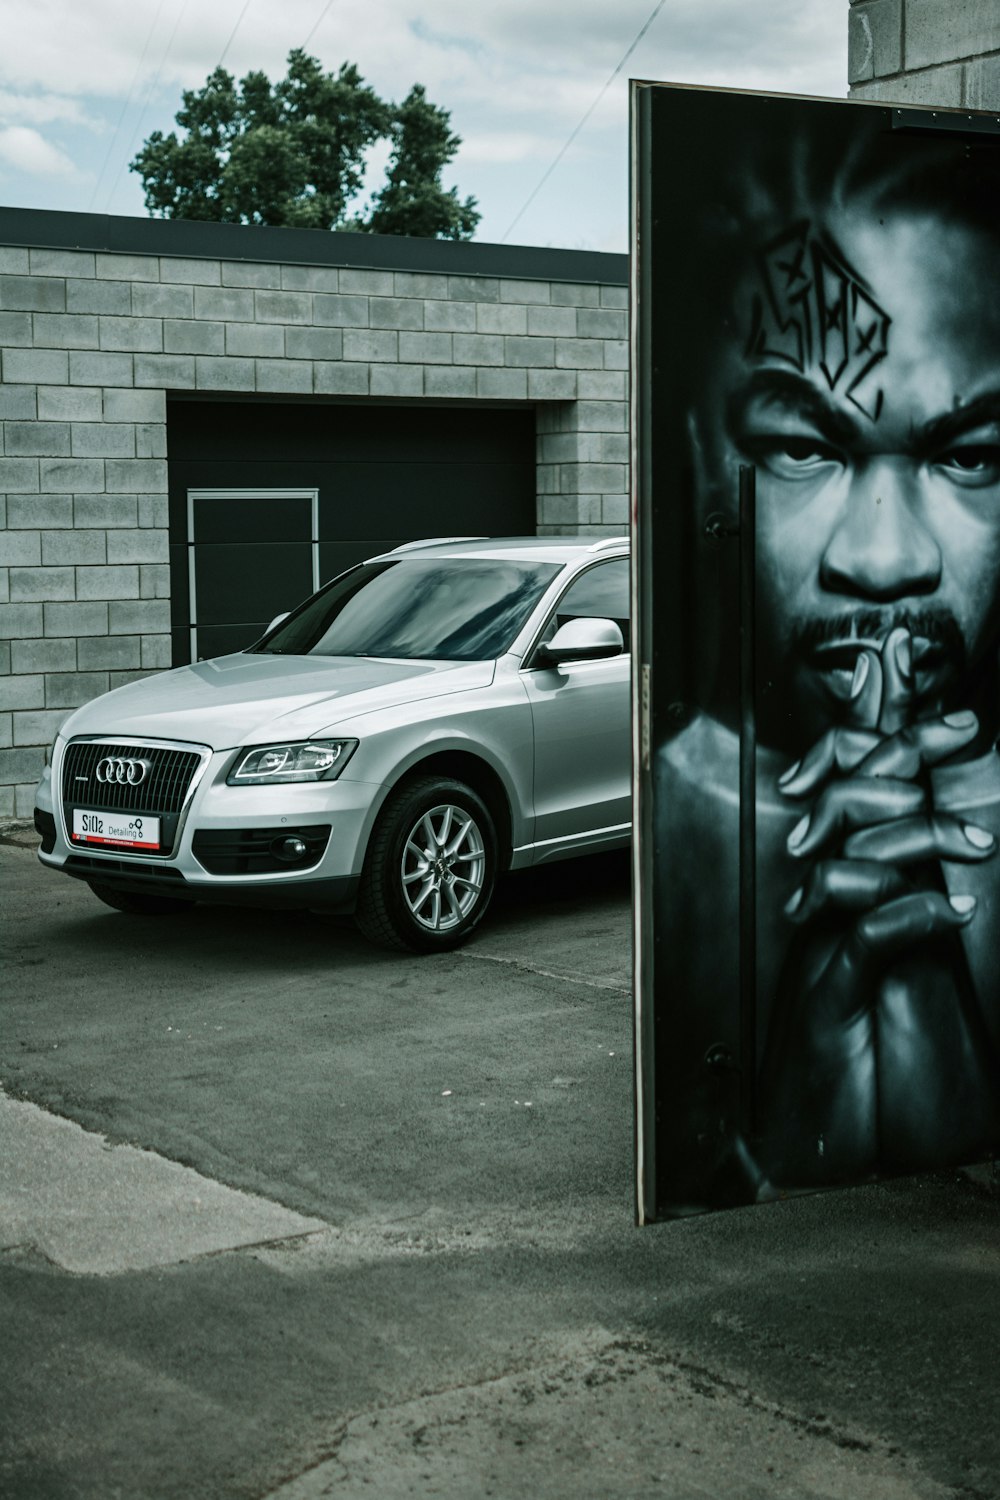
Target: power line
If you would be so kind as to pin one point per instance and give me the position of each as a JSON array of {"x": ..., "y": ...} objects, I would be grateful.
[
  {"x": 128, "y": 101},
  {"x": 318, "y": 24},
  {"x": 547, "y": 174},
  {"x": 146, "y": 102},
  {"x": 232, "y": 34}
]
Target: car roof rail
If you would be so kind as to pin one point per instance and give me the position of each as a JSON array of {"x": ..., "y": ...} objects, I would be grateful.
[
  {"x": 607, "y": 541},
  {"x": 432, "y": 541}
]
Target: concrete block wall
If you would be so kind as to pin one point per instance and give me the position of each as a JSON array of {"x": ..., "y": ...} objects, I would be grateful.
[
  {"x": 931, "y": 52},
  {"x": 92, "y": 341}
]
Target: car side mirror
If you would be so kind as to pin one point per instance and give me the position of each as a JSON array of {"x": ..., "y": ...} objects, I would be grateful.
[
  {"x": 277, "y": 621},
  {"x": 586, "y": 639}
]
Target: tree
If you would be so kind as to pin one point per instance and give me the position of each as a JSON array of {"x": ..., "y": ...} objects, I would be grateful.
[{"x": 293, "y": 153}]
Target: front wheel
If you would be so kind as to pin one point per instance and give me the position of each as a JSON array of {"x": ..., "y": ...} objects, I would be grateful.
[
  {"x": 430, "y": 868},
  {"x": 138, "y": 903}
]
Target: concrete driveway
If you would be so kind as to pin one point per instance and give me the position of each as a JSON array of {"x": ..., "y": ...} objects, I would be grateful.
[{"x": 283, "y": 1216}]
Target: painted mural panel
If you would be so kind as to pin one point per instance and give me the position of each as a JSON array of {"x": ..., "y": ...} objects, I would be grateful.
[{"x": 818, "y": 309}]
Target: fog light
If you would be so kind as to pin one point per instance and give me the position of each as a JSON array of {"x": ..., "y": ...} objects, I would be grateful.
[{"x": 291, "y": 850}]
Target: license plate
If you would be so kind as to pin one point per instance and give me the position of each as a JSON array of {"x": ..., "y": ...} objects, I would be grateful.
[{"x": 119, "y": 830}]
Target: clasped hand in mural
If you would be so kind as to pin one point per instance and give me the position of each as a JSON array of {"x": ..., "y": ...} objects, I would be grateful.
[{"x": 876, "y": 1056}]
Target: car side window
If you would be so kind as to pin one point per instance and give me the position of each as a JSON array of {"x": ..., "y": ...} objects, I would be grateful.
[{"x": 602, "y": 593}]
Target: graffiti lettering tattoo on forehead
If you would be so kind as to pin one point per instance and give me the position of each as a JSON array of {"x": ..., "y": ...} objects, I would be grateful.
[{"x": 812, "y": 309}]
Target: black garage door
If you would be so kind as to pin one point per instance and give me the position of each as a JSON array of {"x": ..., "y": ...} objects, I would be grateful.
[{"x": 267, "y": 499}]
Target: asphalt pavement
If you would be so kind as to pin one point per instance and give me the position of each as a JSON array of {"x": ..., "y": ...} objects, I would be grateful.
[{"x": 283, "y": 1217}]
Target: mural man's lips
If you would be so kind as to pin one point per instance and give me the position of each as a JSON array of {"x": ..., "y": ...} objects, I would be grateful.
[{"x": 834, "y": 662}]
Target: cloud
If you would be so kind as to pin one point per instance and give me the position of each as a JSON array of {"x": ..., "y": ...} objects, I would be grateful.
[
  {"x": 25, "y": 150},
  {"x": 43, "y": 109}
]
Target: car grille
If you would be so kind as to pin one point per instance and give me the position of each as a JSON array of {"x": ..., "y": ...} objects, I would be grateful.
[{"x": 161, "y": 792}]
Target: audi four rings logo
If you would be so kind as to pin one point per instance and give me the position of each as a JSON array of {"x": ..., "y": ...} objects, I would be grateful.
[{"x": 125, "y": 771}]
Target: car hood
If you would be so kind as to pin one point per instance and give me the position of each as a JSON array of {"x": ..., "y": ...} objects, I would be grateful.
[{"x": 246, "y": 699}]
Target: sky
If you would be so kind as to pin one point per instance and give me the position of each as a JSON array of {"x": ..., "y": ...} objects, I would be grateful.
[{"x": 84, "y": 82}]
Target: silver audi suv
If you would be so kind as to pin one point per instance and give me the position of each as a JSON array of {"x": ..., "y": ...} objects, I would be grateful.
[{"x": 430, "y": 718}]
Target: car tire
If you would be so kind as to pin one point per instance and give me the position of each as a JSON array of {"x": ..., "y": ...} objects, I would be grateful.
[
  {"x": 430, "y": 867},
  {"x": 138, "y": 903}
]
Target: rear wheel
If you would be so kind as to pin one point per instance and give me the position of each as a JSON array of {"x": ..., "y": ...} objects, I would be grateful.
[
  {"x": 139, "y": 903},
  {"x": 430, "y": 868}
]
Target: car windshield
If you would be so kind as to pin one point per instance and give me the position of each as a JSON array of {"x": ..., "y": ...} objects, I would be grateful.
[{"x": 445, "y": 609}]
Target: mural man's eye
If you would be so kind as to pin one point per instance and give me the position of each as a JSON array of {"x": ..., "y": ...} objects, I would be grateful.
[
  {"x": 972, "y": 464},
  {"x": 804, "y": 450},
  {"x": 790, "y": 455}
]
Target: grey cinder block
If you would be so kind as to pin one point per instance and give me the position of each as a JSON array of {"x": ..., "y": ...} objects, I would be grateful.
[
  {"x": 69, "y": 548},
  {"x": 16, "y": 330},
  {"x": 284, "y": 376},
  {"x": 125, "y": 475},
  {"x": 118, "y": 652},
  {"x": 309, "y": 278},
  {"x": 224, "y": 304},
  {"x": 939, "y": 31},
  {"x": 224, "y": 374},
  {"x": 396, "y": 312},
  {"x": 37, "y": 367},
  {"x": 255, "y": 340},
  {"x": 69, "y": 403},
  {"x": 43, "y": 656},
  {"x": 134, "y": 405},
  {"x": 22, "y": 692},
  {"x": 39, "y": 585},
  {"x": 65, "y": 330},
  {"x": 70, "y": 689},
  {"x": 449, "y": 317},
  {"x": 18, "y": 475},
  {"x": 154, "y": 581},
  {"x": 74, "y": 619},
  {"x": 502, "y": 385},
  {"x": 107, "y": 583},
  {"x": 21, "y": 621},
  {"x": 532, "y": 353},
  {"x": 449, "y": 380},
  {"x": 103, "y": 440},
  {"x": 341, "y": 311},
  {"x": 89, "y": 368},
  {"x": 165, "y": 371},
  {"x": 283, "y": 307},
  {"x": 552, "y": 385},
  {"x": 99, "y": 296},
  {"x": 61, "y": 262},
  {"x": 344, "y": 379},
  {"x": 525, "y": 291},
  {"x": 36, "y": 439},
  {"x": 191, "y": 336},
  {"x": 191, "y": 271},
  {"x": 381, "y": 345},
  {"x": 314, "y": 343},
  {"x": 137, "y": 618},
  {"x": 36, "y": 727},
  {"x": 41, "y": 511},
  {"x": 73, "y": 475},
  {"x": 32, "y": 294},
  {"x": 158, "y": 301},
  {"x": 242, "y": 273},
  {"x": 105, "y": 510},
  {"x": 127, "y": 267},
  {"x": 24, "y": 765},
  {"x": 144, "y": 545},
  {"x": 575, "y": 294}
]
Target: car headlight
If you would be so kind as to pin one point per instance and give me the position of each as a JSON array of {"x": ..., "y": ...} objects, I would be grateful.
[{"x": 310, "y": 760}]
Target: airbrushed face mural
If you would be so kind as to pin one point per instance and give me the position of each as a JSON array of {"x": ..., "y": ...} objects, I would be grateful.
[{"x": 819, "y": 301}]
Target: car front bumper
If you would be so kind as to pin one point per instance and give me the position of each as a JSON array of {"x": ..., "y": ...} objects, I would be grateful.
[{"x": 225, "y": 839}]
